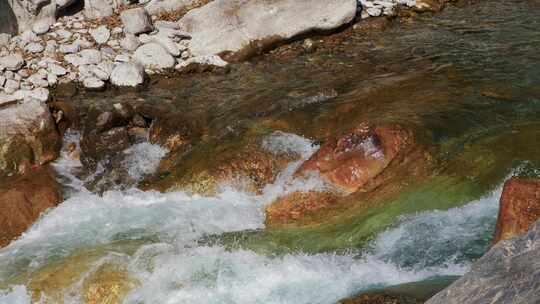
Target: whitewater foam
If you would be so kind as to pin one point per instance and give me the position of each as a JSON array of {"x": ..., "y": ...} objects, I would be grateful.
[{"x": 175, "y": 268}]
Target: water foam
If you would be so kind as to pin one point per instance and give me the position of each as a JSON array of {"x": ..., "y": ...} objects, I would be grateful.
[{"x": 174, "y": 268}]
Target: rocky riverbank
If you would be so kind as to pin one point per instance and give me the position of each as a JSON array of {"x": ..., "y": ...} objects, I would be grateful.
[{"x": 120, "y": 43}]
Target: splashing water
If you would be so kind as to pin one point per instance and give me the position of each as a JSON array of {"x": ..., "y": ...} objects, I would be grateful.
[{"x": 173, "y": 267}]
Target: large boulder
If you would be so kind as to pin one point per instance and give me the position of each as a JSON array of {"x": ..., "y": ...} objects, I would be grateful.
[
  {"x": 23, "y": 199},
  {"x": 28, "y": 137},
  {"x": 508, "y": 273},
  {"x": 240, "y": 28},
  {"x": 127, "y": 74},
  {"x": 154, "y": 57},
  {"x": 519, "y": 207}
]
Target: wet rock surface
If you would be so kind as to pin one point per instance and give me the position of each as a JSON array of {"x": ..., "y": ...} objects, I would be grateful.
[
  {"x": 23, "y": 199},
  {"x": 519, "y": 208},
  {"x": 28, "y": 137},
  {"x": 508, "y": 273}
]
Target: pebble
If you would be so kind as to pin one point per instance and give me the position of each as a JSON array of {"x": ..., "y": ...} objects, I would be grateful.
[
  {"x": 34, "y": 47},
  {"x": 41, "y": 26},
  {"x": 100, "y": 34},
  {"x": 69, "y": 48}
]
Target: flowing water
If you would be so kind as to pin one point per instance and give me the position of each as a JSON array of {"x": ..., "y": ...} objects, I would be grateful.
[{"x": 468, "y": 79}]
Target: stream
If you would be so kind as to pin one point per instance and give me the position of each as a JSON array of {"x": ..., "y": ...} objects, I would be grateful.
[{"x": 467, "y": 80}]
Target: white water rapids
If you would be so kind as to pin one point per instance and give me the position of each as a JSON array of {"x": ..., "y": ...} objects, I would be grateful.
[{"x": 175, "y": 268}]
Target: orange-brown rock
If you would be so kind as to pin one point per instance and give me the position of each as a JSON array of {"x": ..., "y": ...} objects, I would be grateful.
[
  {"x": 363, "y": 166},
  {"x": 23, "y": 199},
  {"x": 519, "y": 207},
  {"x": 355, "y": 158}
]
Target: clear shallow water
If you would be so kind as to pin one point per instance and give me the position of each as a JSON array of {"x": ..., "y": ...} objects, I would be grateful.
[{"x": 432, "y": 74}]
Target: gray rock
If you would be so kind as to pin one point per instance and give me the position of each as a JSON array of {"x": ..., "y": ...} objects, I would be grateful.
[
  {"x": 100, "y": 34},
  {"x": 130, "y": 42},
  {"x": 12, "y": 62},
  {"x": 508, "y": 273},
  {"x": 73, "y": 59},
  {"x": 2, "y": 80},
  {"x": 34, "y": 47},
  {"x": 153, "y": 56},
  {"x": 4, "y": 39},
  {"x": 136, "y": 21},
  {"x": 213, "y": 30},
  {"x": 93, "y": 83},
  {"x": 127, "y": 74},
  {"x": 28, "y": 36}
]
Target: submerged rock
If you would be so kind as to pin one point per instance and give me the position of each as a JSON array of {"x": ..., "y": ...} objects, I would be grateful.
[
  {"x": 519, "y": 207},
  {"x": 213, "y": 30},
  {"x": 508, "y": 273},
  {"x": 23, "y": 199}
]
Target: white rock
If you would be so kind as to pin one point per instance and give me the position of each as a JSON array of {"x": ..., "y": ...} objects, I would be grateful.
[
  {"x": 90, "y": 56},
  {"x": 155, "y": 7},
  {"x": 69, "y": 48},
  {"x": 50, "y": 47},
  {"x": 154, "y": 56},
  {"x": 103, "y": 70},
  {"x": 93, "y": 83},
  {"x": 11, "y": 86},
  {"x": 34, "y": 47},
  {"x": 127, "y": 74},
  {"x": 100, "y": 34},
  {"x": 136, "y": 21},
  {"x": 73, "y": 59},
  {"x": 2, "y": 80},
  {"x": 38, "y": 81},
  {"x": 130, "y": 42},
  {"x": 166, "y": 43},
  {"x": 117, "y": 30},
  {"x": 41, "y": 26},
  {"x": 5, "y": 98},
  {"x": 96, "y": 9},
  {"x": 28, "y": 36},
  {"x": 83, "y": 43},
  {"x": 234, "y": 25},
  {"x": 122, "y": 58},
  {"x": 209, "y": 60},
  {"x": 52, "y": 79},
  {"x": 12, "y": 62},
  {"x": 56, "y": 69},
  {"x": 64, "y": 34}
]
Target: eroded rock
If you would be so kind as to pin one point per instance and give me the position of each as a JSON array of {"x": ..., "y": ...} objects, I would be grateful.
[{"x": 519, "y": 207}]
